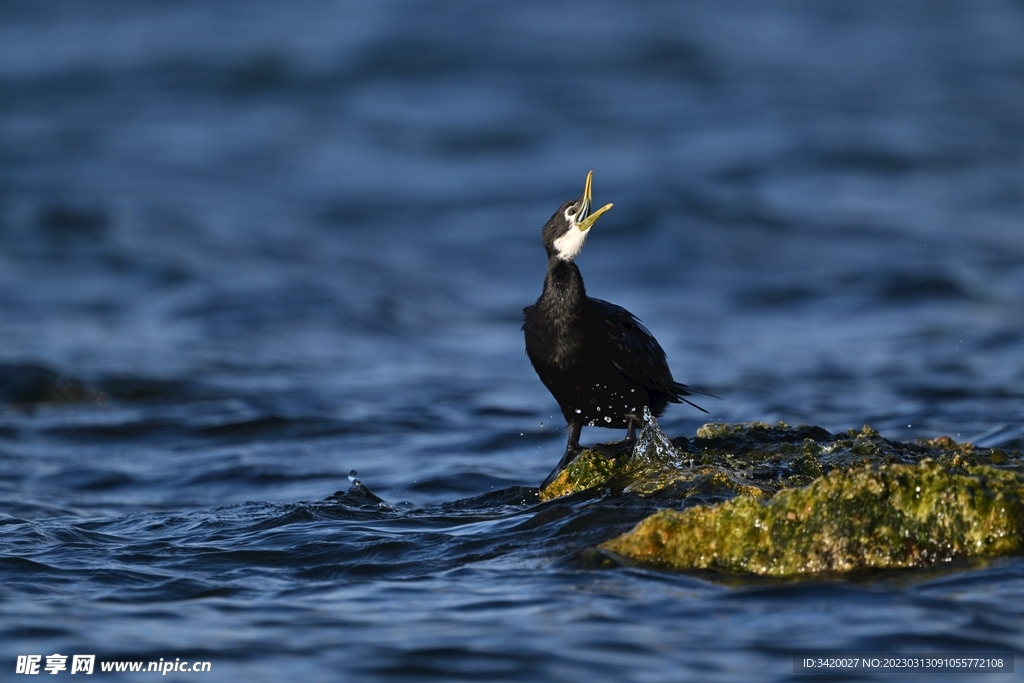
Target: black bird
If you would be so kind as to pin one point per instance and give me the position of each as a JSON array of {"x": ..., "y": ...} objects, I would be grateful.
[{"x": 597, "y": 360}]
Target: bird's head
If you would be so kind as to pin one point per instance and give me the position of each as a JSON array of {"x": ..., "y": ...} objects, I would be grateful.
[{"x": 567, "y": 230}]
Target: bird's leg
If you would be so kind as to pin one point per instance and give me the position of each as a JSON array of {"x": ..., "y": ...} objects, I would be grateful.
[
  {"x": 624, "y": 447},
  {"x": 615, "y": 449},
  {"x": 572, "y": 449},
  {"x": 572, "y": 446},
  {"x": 628, "y": 445},
  {"x": 631, "y": 431}
]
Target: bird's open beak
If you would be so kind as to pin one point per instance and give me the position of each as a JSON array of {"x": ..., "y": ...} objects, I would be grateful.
[{"x": 585, "y": 219}]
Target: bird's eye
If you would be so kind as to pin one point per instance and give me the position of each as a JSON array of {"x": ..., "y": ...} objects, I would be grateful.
[{"x": 572, "y": 211}]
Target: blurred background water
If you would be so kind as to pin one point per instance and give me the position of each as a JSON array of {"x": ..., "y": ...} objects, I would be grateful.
[{"x": 247, "y": 247}]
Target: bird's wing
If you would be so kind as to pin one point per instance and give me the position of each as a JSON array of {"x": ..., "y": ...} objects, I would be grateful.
[{"x": 634, "y": 350}]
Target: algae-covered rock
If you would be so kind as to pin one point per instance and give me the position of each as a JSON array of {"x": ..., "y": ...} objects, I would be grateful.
[
  {"x": 752, "y": 459},
  {"x": 789, "y": 501},
  {"x": 589, "y": 470},
  {"x": 891, "y": 516}
]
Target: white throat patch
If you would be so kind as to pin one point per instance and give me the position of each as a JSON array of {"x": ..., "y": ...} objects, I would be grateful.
[{"x": 571, "y": 243}]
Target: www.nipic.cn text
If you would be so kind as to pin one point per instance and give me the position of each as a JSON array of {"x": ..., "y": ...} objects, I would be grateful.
[{"x": 86, "y": 664}]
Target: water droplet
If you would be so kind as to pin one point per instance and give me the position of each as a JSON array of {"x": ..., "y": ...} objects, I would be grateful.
[
  {"x": 607, "y": 419},
  {"x": 352, "y": 475},
  {"x": 578, "y": 411},
  {"x": 632, "y": 391},
  {"x": 599, "y": 409},
  {"x": 541, "y": 424}
]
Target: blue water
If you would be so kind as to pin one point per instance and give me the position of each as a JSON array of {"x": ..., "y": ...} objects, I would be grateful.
[{"x": 246, "y": 248}]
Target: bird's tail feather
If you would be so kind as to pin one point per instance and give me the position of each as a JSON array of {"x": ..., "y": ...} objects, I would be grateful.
[
  {"x": 693, "y": 404},
  {"x": 683, "y": 390}
]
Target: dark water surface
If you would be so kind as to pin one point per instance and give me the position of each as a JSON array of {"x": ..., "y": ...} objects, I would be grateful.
[{"x": 248, "y": 247}]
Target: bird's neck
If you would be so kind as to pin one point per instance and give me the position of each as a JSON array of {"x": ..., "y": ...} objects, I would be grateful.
[
  {"x": 564, "y": 292},
  {"x": 554, "y": 325}
]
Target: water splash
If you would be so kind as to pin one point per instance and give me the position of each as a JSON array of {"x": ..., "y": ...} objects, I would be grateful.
[
  {"x": 360, "y": 497},
  {"x": 654, "y": 448}
]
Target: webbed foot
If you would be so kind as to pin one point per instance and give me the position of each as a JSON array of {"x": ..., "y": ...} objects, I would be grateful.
[
  {"x": 615, "y": 449},
  {"x": 571, "y": 453}
]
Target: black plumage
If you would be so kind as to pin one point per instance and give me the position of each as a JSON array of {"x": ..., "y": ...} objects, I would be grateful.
[{"x": 602, "y": 366}]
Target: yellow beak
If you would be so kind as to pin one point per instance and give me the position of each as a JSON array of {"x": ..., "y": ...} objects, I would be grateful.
[{"x": 585, "y": 219}]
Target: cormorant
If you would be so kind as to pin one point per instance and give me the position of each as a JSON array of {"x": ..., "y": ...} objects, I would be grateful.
[{"x": 602, "y": 366}]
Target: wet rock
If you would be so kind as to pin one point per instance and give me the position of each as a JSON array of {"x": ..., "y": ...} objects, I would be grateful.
[
  {"x": 783, "y": 501},
  {"x": 892, "y": 516},
  {"x": 754, "y": 459}
]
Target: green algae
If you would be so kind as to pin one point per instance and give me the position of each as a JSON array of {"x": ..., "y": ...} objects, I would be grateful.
[
  {"x": 589, "y": 470},
  {"x": 753, "y": 459},
  {"x": 781, "y": 501},
  {"x": 892, "y": 516}
]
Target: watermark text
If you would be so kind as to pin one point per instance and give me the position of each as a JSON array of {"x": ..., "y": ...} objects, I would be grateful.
[{"x": 86, "y": 664}]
